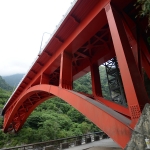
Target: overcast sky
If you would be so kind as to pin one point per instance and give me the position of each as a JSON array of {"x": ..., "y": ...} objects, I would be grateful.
[{"x": 22, "y": 24}]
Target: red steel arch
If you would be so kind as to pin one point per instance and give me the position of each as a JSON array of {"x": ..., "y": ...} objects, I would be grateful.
[
  {"x": 92, "y": 33},
  {"x": 115, "y": 125}
]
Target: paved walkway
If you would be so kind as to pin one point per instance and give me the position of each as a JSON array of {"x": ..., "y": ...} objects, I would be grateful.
[
  {"x": 105, "y": 144},
  {"x": 104, "y": 148}
]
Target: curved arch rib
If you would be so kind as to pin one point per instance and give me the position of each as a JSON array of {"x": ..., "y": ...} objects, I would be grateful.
[{"x": 111, "y": 122}]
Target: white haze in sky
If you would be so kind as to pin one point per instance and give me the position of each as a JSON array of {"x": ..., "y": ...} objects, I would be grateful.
[{"x": 22, "y": 24}]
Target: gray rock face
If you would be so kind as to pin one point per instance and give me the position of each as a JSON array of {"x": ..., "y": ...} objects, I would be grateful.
[{"x": 141, "y": 131}]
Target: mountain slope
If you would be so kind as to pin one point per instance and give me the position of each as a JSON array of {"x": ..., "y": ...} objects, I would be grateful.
[
  {"x": 13, "y": 80},
  {"x": 4, "y": 85}
]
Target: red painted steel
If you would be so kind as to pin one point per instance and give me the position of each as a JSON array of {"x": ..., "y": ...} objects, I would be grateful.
[
  {"x": 91, "y": 34},
  {"x": 96, "y": 85},
  {"x": 97, "y": 93},
  {"x": 136, "y": 94},
  {"x": 119, "y": 124},
  {"x": 66, "y": 72}
]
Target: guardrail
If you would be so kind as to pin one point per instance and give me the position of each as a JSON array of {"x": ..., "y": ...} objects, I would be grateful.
[{"x": 63, "y": 143}]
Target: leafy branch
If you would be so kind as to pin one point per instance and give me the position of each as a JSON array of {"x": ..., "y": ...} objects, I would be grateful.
[{"x": 145, "y": 9}]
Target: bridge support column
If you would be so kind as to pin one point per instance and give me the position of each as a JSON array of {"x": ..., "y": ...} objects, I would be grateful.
[
  {"x": 44, "y": 79},
  {"x": 97, "y": 91},
  {"x": 133, "y": 84},
  {"x": 96, "y": 85},
  {"x": 66, "y": 71}
]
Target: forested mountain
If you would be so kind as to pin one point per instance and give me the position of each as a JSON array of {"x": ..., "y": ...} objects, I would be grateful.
[
  {"x": 4, "y": 95},
  {"x": 5, "y": 91},
  {"x": 4, "y": 85},
  {"x": 13, "y": 80}
]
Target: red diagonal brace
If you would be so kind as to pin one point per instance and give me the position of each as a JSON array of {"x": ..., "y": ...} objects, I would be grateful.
[{"x": 133, "y": 85}]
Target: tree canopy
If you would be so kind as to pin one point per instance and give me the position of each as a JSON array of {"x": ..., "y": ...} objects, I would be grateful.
[{"x": 144, "y": 9}]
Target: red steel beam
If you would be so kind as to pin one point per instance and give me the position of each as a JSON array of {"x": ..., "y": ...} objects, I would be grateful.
[
  {"x": 117, "y": 107},
  {"x": 96, "y": 85},
  {"x": 66, "y": 80},
  {"x": 133, "y": 85},
  {"x": 97, "y": 92}
]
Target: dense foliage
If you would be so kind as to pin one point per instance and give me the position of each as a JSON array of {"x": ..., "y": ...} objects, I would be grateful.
[
  {"x": 147, "y": 83},
  {"x": 4, "y": 95},
  {"x": 13, "y": 80},
  {"x": 145, "y": 9}
]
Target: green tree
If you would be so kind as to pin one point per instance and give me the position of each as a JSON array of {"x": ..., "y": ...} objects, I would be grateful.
[
  {"x": 145, "y": 9},
  {"x": 75, "y": 116}
]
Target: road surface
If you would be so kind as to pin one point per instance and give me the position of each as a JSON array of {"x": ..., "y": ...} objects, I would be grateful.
[{"x": 105, "y": 144}]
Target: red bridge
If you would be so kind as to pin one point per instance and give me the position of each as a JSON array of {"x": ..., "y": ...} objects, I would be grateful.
[{"x": 94, "y": 32}]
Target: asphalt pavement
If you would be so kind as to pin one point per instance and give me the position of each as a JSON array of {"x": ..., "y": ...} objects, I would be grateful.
[{"x": 105, "y": 144}]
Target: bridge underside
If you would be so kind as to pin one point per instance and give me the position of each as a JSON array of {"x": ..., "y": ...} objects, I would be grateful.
[{"x": 82, "y": 43}]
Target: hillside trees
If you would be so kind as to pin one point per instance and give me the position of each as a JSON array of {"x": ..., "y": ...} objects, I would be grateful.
[
  {"x": 4, "y": 85},
  {"x": 145, "y": 9}
]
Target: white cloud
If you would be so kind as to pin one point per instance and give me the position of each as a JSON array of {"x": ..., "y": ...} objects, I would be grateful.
[{"x": 22, "y": 24}]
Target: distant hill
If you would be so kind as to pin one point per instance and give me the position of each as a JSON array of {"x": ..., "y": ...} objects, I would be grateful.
[
  {"x": 4, "y": 85},
  {"x": 13, "y": 80}
]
